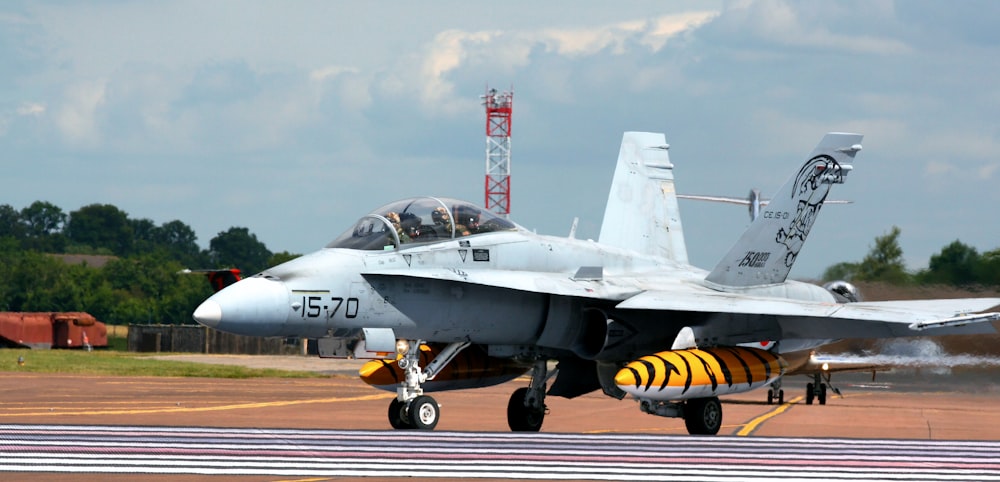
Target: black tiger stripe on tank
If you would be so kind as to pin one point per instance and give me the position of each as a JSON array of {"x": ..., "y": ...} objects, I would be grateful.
[
  {"x": 687, "y": 365},
  {"x": 726, "y": 374},
  {"x": 667, "y": 369},
  {"x": 746, "y": 367},
  {"x": 767, "y": 364},
  {"x": 650, "y": 372}
]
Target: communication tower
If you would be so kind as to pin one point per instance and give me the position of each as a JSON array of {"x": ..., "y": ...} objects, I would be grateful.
[{"x": 498, "y": 121}]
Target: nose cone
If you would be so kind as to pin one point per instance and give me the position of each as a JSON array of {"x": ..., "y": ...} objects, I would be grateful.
[{"x": 253, "y": 306}]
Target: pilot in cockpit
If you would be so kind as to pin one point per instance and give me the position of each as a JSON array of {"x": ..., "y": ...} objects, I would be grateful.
[
  {"x": 394, "y": 219},
  {"x": 442, "y": 220},
  {"x": 466, "y": 220}
]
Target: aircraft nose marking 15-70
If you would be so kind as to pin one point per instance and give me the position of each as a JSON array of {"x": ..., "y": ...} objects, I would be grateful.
[{"x": 258, "y": 306}]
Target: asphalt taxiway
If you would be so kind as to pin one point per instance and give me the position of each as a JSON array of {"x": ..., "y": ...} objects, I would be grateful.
[{"x": 906, "y": 405}]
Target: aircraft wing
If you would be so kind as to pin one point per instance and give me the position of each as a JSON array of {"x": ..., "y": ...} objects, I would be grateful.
[
  {"x": 539, "y": 282},
  {"x": 811, "y": 319}
]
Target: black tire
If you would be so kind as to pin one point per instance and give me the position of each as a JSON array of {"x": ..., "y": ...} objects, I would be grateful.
[
  {"x": 703, "y": 416},
  {"x": 423, "y": 413},
  {"x": 781, "y": 397},
  {"x": 822, "y": 394},
  {"x": 397, "y": 415},
  {"x": 770, "y": 397},
  {"x": 809, "y": 394},
  {"x": 521, "y": 418}
]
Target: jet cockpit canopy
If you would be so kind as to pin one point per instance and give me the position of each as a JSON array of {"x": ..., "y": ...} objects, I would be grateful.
[{"x": 419, "y": 220}]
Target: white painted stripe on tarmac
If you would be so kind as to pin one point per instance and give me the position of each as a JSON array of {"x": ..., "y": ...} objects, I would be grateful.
[{"x": 334, "y": 453}]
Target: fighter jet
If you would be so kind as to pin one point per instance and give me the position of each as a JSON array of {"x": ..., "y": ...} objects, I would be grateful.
[{"x": 442, "y": 294}]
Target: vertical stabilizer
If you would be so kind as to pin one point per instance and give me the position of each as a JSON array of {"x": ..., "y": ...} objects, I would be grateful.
[
  {"x": 642, "y": 214},
  {"x": 767, "y": 250}
]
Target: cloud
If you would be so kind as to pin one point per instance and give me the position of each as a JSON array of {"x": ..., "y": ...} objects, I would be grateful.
[
  {"x": 32, "y": 109},
  {"x": 511, "y": 51},
  {"x": 76, "y": 117}
]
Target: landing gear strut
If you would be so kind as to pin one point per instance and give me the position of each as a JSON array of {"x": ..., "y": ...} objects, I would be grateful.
[
  {"x": 775, "y": 392},
  {"x": 817, "y": 389},
  {"x": 411, "y": 408},
  {"x": 526, "y": 408}
]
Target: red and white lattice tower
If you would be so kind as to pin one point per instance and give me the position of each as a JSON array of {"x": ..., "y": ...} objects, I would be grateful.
[{"x": 498, "y": 121}]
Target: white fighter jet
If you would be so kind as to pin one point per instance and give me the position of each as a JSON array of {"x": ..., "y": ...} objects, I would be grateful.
[{"x": 444, "y": 295}]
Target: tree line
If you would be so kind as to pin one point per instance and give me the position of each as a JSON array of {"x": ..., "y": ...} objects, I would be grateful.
[
  {"x": 138, "y": 280},
  {"x": 957, "y": 264}
]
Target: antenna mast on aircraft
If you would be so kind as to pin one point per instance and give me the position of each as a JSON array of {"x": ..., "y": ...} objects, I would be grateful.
[{"x": 498, "y": 122}]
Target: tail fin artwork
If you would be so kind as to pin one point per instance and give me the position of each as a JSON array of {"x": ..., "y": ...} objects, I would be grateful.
[
  {"x": 642, "y": 213},
  {"x": 767, "y": 250}
]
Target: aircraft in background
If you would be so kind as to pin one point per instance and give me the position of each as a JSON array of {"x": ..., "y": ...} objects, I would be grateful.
[
  {"x": 442, "y": 294},
  {"x": 218, "y": 278}
]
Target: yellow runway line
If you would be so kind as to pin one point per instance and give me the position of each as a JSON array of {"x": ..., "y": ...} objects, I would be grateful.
[
  {"x": 175, "y": 409},
  {"x": 753, "y": 424}
]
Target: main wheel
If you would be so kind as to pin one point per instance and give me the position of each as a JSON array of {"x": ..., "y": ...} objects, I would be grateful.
[
  {"x": 822, "y": 394},
  {"x": 781, "y": 397},
  {"x": 770, "y": 396},
  {"x": 522, "y": 418},
  {"x": 703, "y": 416},
  {"x": 397, "y": 415},
  {"x": 809, "y": 394},
  {"x": 423, "y": 413}
]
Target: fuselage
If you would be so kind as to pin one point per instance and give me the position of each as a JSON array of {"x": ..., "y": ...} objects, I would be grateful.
[{"x": 505, "y": 288}]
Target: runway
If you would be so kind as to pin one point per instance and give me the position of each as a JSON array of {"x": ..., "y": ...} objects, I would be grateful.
[
  {"x": 102, "y": 449},
  {"x": 56, "y": 427}
]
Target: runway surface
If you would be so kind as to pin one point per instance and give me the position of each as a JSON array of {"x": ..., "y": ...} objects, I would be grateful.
[
  {"x": 83, "y": 449},
  {"x": 916, "y": 426}
]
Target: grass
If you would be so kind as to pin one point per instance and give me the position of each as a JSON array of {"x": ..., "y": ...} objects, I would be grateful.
[{"x": 105, "y": 362}]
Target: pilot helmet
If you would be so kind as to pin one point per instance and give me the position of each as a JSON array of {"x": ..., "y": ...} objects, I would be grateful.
[
  {"x": 440, "y": 215},
  {"x": 467, "y": 215}
]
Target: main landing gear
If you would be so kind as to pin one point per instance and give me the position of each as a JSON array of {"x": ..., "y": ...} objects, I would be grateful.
[
  {"x": 411, "y": 409},
  {"x": 774, "y": 392},
  {"x": 526, "y": 408},
  {"x": 817, "y": 389}
]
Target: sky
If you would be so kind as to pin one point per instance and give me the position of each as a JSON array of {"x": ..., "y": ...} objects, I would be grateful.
[{"x": 294, "y": 119}]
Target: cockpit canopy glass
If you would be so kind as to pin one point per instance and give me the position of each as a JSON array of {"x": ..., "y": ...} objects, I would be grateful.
[{"x": 419, "y": 220}]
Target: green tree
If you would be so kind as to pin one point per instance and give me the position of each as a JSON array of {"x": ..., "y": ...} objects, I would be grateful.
[
  {"x": 841, "y": 271},
  {"x": 884, "y": 262},
  {"x": 10, "y": 223},
  {"x": 181, "y": 242},
  {"x": 957, "y": 264},
  {"x": 239, "y": 248},
  {"x": 101, "y": 226},
  {"x": 988, "y": 271},
  {"x": 43, "y": 224},
  {"x": 281, "y": 257}
]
